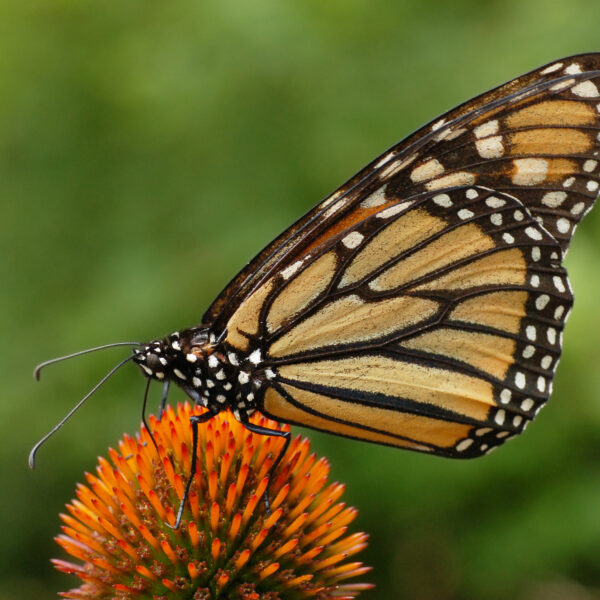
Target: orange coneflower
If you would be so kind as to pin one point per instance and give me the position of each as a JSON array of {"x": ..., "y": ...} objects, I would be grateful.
[{"x": 227, "y": 546}]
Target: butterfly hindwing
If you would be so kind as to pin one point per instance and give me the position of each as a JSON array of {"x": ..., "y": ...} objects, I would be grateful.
[{"x": 435, "y": 324}]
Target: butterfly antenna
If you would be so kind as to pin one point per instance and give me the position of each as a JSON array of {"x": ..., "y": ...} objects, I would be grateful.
[
  {"x": 73, "y": 411},
  {"x": 36, "y": 371}
]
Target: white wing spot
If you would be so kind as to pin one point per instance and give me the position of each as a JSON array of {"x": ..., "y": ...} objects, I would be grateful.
[
  {"x": 592, "y": 186},
  {"x": 197, "y": 382},
  {"x": 500, "y": 416},
  {"x": 213, "y": 361},
  {"x": 527, "y": 404},
  {"x": 496, "y": 219},
  {"x": 443, "y": 200},
  {"x": 383, "y": 159},
  {"x": 529, "y": 171},
  {"x": 455, "y": 179},
  {"x": 533, "y": 233},
  {"x": 334, "y": 208},
  {"x": 491, "y": 147},
  {"x": 465, "y": 213},
  {"x": 353, "y": 239},
  {"x": 482, "y": 431},
  {"x": 377, "y": 198},
  {"x": 568, "y": 182},
  {"x": 542, "y": 301},
  {"x": 505, "y": 396},
  {"x": 179, "y": 374},
  {"x": 452, "y": 135},
  {"x": 255, "y": 357},
  {"x": 191, "y": 357},
  {"x": 561, "y": 85},
  {"x": 386, "y": 213},
  {"x": 563, "y": 225},
  {"x": 243, "y": 377},
  {"x": 472, "y": 194},
  {"x": 535, "y": 280},
  {"x": 551, "y": 335},
  {"x": 518, "y": 215},
  {"x": 462, "y": 446},
  {"x": 558, "y": 284},
  {"x": 578, "y": 208},
  {"x": 528, "y": 351},
  {"x": 427, "y": 170},
  {"x": 541, "y": 384},
  {"x": 437, "y": 125},
  {"x": 573, "y": 69},
  {"x": 536, "y": 253},
  {"x": 551, "y": 68},
  {"x": 494, "y": 202},
  {"x": 554, "y": 199},
  {"x": 546, "y": 362},
  {"x": 520, "y": 380},
  {"x": 486, "y": 129},
  {"x": 585, "y": 89},
  {"x": 531, "y": 333},
  {"x": 589, "y": 165},
  {"x": 509, "y": 239},
  {"x": 517, "y": 420},
  {"x": 559, "y": 312},
  {"x": 289, "y": 271}
]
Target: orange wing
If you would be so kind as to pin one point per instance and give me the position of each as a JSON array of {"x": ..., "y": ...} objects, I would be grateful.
[
  {"x": 535, "y": 137},
  {"x": 433, "y": 325},
  {"x": 422, "y": 304}
]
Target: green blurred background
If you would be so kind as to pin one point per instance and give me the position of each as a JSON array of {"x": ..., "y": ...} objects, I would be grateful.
[{"x": 149, "y": 149}]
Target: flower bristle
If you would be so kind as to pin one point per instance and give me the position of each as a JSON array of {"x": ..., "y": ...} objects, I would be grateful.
[{"x": 228, "y": 545}]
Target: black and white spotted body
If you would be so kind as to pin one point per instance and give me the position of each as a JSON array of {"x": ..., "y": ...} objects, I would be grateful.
[{"x": 209, "y": 373}]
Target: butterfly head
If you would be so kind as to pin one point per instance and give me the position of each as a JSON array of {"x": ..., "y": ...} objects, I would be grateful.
[{"x": 173, "y": 357}]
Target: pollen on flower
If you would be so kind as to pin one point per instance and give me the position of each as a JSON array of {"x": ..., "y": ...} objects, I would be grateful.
[{"x": 227, "y": 545}]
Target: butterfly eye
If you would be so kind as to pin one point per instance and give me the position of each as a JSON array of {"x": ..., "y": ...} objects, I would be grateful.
[{"x": 153, "y": 362}]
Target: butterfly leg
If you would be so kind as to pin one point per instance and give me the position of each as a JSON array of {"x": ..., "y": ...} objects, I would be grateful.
[
  {"x": 163, "y": 400},
  {"x": 144, "y": 414},
  {"x": 195, "y": 420},
  {"x": 273, "y": 432}
]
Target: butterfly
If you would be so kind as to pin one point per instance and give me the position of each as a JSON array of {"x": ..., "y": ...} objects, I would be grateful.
[{"x": 422, "y": 304}]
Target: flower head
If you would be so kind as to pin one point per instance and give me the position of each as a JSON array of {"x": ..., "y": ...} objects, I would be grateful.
[{"x": 227, "y": 545}]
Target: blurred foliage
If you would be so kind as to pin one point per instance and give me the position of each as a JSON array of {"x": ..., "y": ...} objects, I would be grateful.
[{"x": 148, "y": 149}]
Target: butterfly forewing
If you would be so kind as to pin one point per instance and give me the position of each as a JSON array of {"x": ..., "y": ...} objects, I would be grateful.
[
  {"x": 535, "y": 137},
  {"x": 422, "y": 304}
]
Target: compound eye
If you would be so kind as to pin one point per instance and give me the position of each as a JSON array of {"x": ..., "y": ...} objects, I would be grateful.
[{"x": 153, "y": 362}]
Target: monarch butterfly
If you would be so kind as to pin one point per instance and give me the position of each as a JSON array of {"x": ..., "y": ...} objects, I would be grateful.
[{"x": 422, "y": 304}]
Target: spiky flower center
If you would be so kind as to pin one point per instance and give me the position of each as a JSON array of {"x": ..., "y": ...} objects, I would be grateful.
[{"x": 227, "y": 546}]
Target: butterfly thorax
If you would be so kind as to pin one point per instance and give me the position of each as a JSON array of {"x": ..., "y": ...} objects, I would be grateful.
[{"x": 209, "y": 372}]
